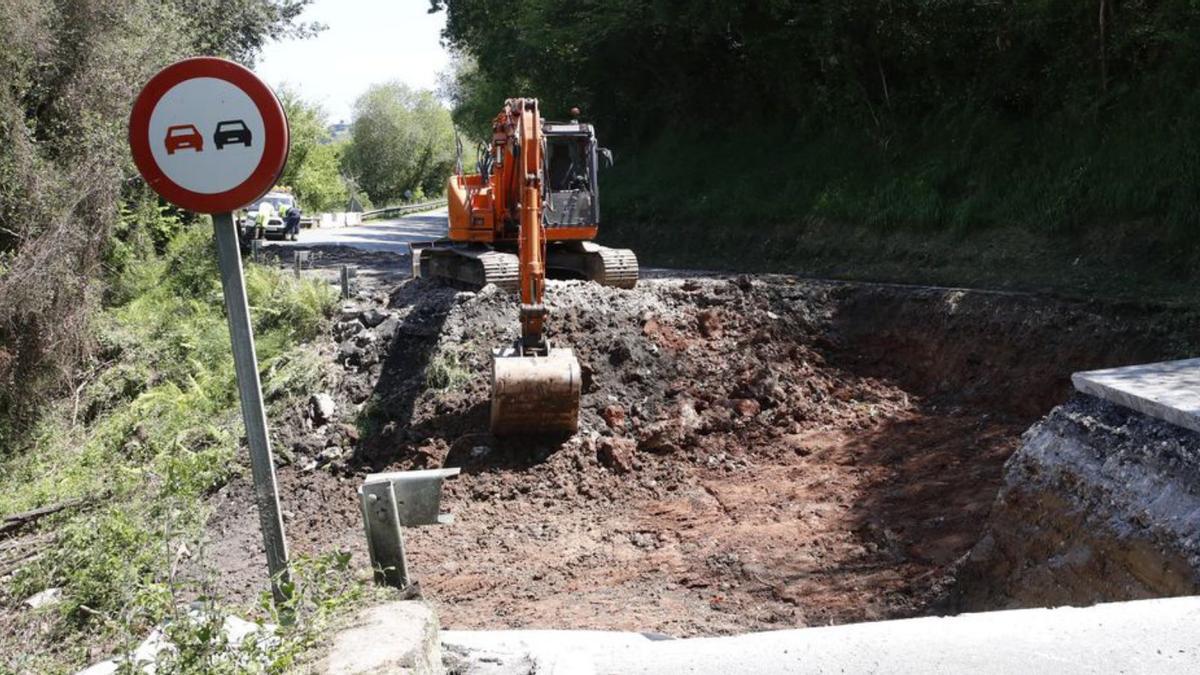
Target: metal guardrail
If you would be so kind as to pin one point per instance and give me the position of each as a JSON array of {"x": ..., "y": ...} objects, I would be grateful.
[{"x": 404, "y": 209}]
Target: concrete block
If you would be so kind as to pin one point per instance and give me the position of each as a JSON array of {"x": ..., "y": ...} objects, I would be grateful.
[
  {"x": 1169, "y": 390},
  {"x": 398, "y": 637}
]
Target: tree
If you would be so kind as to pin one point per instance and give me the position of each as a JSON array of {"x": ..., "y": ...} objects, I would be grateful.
[
  {"x": 401, "y": 140},
  {"x": 318, "y": 183},
  {"x": 312, "y": 169},
  {"x": 71, "y": 72}
]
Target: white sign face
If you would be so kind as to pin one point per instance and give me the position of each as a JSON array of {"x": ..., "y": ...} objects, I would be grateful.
[{"x": 206, "y": 135}]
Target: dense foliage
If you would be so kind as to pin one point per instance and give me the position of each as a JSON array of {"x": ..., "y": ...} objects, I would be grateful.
[
  {"x": 313, "y": 168},
  {"x": 402, "y": 140},
  {"x": 70, "y": 71},
  {"x": 153, "y": 429},
  {"x": 638, "y": 65},
  {"x": 1063, "y": 118}
]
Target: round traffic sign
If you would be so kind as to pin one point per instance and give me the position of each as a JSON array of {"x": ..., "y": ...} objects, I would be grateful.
[{"x": 208, "y": 135}]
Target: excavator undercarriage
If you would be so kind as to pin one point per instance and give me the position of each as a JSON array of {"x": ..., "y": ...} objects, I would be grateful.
[{"x": 475, "y": 266}]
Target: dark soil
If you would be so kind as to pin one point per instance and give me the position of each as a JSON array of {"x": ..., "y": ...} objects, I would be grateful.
[{"x": 753, "y": 452}]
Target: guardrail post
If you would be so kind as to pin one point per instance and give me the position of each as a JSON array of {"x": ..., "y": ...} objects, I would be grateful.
[{"x": 298, "y": 261}]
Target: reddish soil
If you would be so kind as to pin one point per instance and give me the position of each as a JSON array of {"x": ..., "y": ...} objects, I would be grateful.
[{"x": 739, "y": 466}]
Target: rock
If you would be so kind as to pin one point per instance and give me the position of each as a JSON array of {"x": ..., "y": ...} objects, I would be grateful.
[
  {"x": 46, "y": 598},
  {"x": 614, "y": 416},
  {"x": 388, "y": 328},
  {"x": 347, "y": 329},
  {"x": 710, "y": 323},
  {"x": 668, "y": 435},
  {"x": 308, "y": 445},
  {"x": 616, "y": 453},
  {"x": 330, "y": 454},
  {"x": 398, "y": 637},
  {"x": 747, "y": 407},
  {"x": 1098, "y": 505},
  {"x": 350, "y": 353},
  {"x": 373, "y": 317},
  {"x": 764, "y": 387},
  {"x": 323, "y": 408},
  {"x": 620, "y": 354},
  {"x": 350, "y": 431}
]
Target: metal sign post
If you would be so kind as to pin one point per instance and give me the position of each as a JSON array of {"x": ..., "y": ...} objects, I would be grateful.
[
  {"x": 209, "y": 136},
  {"x": 262, "y": 464}
]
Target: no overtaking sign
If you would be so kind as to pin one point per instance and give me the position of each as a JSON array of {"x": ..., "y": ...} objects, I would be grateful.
[{"x": 209, "y": 136}]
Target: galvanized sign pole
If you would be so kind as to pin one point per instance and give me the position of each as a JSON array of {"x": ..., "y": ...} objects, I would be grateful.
[{"x": 262, "y": 464}]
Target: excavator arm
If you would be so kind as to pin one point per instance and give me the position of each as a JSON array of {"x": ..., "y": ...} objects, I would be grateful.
[
  {"x": 531, "y": 240},
  {"x": 535, "y": 388}
]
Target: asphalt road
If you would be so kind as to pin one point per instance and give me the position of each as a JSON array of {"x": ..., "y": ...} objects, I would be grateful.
[{"x": 392, "y": 236}]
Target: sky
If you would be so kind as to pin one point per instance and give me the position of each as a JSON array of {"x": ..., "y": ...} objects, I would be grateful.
[{"x": 366, "y": 42}]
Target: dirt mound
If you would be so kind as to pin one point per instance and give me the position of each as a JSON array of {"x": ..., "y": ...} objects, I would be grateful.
[
  {"x": 753, "y": 452},
  {"x": 726, "y": 475}
]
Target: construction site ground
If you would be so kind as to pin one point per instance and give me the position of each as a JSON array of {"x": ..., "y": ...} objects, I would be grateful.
[{"x": 754, "y": 452}]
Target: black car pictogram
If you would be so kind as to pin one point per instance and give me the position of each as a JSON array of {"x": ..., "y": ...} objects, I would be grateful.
[{"x": 230, "y": 132}]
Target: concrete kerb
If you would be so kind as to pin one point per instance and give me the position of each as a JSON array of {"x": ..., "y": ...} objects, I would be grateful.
[{"x": 1169, "y": 390}]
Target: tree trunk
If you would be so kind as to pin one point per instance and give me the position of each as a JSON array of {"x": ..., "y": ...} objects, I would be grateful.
[{"x": 1103, "y": 46}]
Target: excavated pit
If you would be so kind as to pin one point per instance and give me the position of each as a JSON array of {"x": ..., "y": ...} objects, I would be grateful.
[{"x": 754, "y": 452}]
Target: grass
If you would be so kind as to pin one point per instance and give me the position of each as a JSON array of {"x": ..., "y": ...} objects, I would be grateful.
[
  {"x": 1098, "y": 203},
  {"x": 445, "y": 372},
  {"x": 152, "y": 432}
]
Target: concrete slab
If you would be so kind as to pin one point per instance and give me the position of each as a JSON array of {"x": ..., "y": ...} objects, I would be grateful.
[
  {"x": 397, "y": 637},
  {"x": 1169, "y": 390},
  {"x": 1148, "y": 636}
]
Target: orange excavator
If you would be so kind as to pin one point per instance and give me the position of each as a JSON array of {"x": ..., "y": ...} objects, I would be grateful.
[{"x": 531, "y": 211}]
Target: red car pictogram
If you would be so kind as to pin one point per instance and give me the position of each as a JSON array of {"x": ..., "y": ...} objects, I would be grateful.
[{"x": 183, "y": 136}]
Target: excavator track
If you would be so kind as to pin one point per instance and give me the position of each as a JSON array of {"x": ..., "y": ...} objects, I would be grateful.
[
  {"x": 606, "y": 266},
  {"x": 617, "y": 267},
  {"x": 474, "y": 268}
]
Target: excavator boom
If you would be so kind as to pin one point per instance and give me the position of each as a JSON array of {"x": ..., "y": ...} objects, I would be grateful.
[{"x": 535, "y": 389}]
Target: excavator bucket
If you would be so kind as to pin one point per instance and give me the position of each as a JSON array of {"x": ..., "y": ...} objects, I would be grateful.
[{"x": 535, "y": 394}]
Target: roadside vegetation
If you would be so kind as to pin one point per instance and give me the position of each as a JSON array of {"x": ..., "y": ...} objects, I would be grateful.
[
  {"x": 152, "y": 429},
  {"x": 313, "y": 170},
  {"x": 118, "y": 405},
  {"x": 1038, "y": 145}
]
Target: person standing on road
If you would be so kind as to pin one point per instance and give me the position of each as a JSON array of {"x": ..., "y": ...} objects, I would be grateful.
[
  {"x": 291, "y": 223},
  {"x": 265, "y": 212}
]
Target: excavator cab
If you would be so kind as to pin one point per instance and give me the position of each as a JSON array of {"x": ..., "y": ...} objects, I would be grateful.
[{"x": 571, "y": 173}]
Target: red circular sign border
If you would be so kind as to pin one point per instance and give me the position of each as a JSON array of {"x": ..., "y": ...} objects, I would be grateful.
[{"x": 275, "y": 151}]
